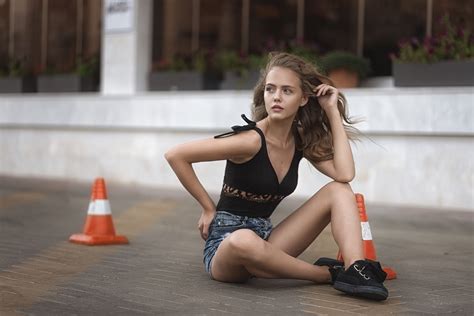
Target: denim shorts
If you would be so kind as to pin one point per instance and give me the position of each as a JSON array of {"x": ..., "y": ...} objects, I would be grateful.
[{"x": 224, "y": 223}]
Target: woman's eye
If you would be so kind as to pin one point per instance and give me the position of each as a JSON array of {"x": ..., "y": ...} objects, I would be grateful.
[
  {"x": 269, "y": 89},
  {"x": 287, "y": 91}
]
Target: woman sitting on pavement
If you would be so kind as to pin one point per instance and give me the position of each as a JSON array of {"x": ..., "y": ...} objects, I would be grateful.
[{"x": 297, "y": 113}]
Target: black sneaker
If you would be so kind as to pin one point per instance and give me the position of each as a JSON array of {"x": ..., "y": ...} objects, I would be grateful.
[
  {"x": 335, "y": 266},
  {"x": 363, "y": 278}
]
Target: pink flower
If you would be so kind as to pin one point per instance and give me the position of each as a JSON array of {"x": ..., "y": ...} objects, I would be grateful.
[
  {"x": 452, "y": 42},
  {"x": 402, "y": 42}
]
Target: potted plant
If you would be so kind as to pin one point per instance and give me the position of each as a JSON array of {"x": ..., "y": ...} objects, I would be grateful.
[
  {"x": 14, "y": 78},
  {"x": 88, "y": 71},
  {"x": 207, "y": 62},
  {"x": 446, "y": 59},
  {"x": 84, "y": 76},
  {"x": 239, "y": 71},
  {"x": 307, "y": 50},
  {"x": 345, "y": 69},
  {"x": 178, "y": 73}
]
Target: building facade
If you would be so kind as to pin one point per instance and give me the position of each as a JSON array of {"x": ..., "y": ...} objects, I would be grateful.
[
  {"x": 55, "y": 36},
  {"x": 418, "y": 147}
]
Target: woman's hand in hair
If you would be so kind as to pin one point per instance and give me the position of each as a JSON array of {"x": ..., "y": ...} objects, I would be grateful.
[{"x": 327, "y": 97}]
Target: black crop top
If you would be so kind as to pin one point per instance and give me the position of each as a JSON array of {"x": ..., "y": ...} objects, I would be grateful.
[{"x": 252, "y": 188}]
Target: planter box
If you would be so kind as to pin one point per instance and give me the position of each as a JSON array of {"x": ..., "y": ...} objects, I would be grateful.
[
  {"x": 212, "y": 80},
  {"x": 17, "y": 84},
  {"x": 172, "y": 80},
  {"x": 66, "y": 83},
  {"x": 445, "y": 73},
  {"x": 233, "y": 81}
]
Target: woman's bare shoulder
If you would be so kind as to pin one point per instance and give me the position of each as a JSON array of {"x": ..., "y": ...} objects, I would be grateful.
[{"x": 249, "y": 142}]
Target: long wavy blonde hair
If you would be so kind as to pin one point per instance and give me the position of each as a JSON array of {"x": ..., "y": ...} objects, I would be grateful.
[{"x": 312, "y": 128}]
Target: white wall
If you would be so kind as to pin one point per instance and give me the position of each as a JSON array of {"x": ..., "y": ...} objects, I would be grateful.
[{"x": 418, "y": 150}]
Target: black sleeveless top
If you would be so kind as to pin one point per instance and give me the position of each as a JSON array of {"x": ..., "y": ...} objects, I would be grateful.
[{"x": 252, "y": 188}]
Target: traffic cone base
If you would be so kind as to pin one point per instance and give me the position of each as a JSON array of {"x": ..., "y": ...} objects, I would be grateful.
[
  {"x": 367, "y": 242},
  {"x": 391, "y": 274},
  {"x": 99, "y": 227},
  {"x": 98, "y": 239}
]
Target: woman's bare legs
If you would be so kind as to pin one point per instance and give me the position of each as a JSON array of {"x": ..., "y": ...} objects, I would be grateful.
[
  {"x": 334, "y": 203},
  {"x": 243, "y": 253}
]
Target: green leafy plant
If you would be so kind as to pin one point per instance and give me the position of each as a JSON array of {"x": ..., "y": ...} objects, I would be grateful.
[
  {"x": 87, "y": 67},
  {"x": 306, "y": 50},
  {"x": 14, "y": 67},
  {"x": 177, "y": 63},
  {"x": 451, "y": 43},
  {"x": 199, "y": 62},
  {"x": 241, "y": 64},
  {"x": 229, "y": 60},
  {"x": 345, "y": 60},
  {"x": 257, "y": 61}
]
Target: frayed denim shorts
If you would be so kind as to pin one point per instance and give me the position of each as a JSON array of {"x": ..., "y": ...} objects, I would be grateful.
[{"x": 224, "y": 223}]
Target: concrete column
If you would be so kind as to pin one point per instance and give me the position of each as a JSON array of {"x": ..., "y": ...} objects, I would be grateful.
[{"x": 126, "y": 51}]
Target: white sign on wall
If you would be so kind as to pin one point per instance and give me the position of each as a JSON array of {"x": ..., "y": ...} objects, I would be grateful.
[{"x": 118, "y": 15}]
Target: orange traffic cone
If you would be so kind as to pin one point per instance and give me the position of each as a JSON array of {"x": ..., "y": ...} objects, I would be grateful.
[
  {"x": 99, "y": 227},
  {"x": 369, "y": 248}
]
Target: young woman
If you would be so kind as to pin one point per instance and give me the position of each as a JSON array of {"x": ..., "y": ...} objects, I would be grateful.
[{"x": 297, "y": 113}]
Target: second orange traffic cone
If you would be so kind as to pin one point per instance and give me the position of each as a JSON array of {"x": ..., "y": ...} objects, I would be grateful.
[
  {"x": 369, "y": 248},
  {"x": 99, "y": 227}
]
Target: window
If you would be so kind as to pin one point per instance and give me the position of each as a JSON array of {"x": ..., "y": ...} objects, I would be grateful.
[
  {"x": 272, "y": 23},
  {"x": 386, "y": 23},
  {"x": 4, "y": 33},
  {"x": 91, "y": 30},
  {"x": 172, "y": 29},
  {"x": 20, "y": 34},
  {"x": 62, "y": 21},
  {"x": 220, "y": 24},
  {"x": 331, "y": 24},
  {"x": 157, "y": 31},
  {"x": 460, "y": 10},
  {"x": 179, "y": 33},
  {"x": 328, "y": 25}
]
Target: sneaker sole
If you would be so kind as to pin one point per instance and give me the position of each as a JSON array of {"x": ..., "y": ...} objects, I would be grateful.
[{"x": 371, "y": 292}]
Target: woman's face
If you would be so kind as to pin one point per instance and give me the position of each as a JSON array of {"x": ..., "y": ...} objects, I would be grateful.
[{"x": 283, "y": 94}]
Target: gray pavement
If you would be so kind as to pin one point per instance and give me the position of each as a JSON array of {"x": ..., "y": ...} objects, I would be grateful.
[{"x": 161, "y": 273}]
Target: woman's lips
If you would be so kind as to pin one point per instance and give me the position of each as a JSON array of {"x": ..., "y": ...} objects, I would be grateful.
[{"x": 277, "y": 108}]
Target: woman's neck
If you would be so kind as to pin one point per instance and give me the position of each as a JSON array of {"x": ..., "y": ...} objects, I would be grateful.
[{"x": 279, "y": 132}]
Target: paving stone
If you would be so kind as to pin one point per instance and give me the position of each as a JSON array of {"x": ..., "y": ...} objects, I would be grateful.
[{"x": 161, "y": 272}]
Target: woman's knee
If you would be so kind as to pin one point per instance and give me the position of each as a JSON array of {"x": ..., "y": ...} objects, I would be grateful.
[
  {"x": 246, "y": 244},
  {"x": 338, "y": 189}
]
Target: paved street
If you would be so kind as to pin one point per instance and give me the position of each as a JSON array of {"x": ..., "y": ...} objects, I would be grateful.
[{"x": 161, "y": 272}]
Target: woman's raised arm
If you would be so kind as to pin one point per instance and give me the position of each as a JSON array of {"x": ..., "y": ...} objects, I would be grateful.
[{"x": 341, "y": 168}]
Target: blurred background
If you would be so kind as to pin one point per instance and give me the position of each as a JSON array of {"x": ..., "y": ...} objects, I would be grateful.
[
  {"x": 102, "y": 88},
  {"x": 40, "y": 37}
]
